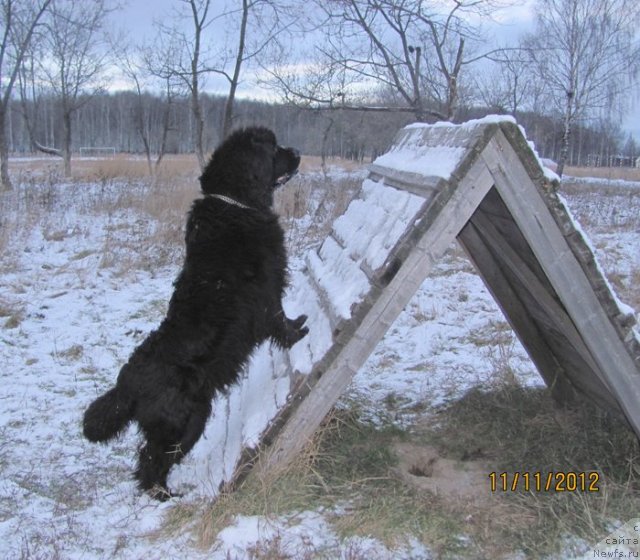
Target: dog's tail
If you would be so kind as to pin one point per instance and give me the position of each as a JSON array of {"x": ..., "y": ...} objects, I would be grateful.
[{"x": 108, "y": 415}]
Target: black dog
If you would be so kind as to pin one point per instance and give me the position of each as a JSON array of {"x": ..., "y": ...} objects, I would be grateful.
[{"x": 227, "y": 300}]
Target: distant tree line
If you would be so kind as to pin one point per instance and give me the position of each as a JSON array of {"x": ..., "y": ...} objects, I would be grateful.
[{"x": 111, "y": 120}]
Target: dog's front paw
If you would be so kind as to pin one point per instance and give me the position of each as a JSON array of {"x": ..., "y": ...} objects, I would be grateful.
[{"x": 296, "y": 330}]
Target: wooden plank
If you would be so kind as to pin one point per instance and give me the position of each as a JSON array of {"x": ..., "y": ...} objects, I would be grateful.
[
  {"x": 503, "y": 221},
  {"x": 564, "y": 272},
  {"x": 426, "y": 186},
  {"x": 556, "y": 313},
  {"x": 445, "y": 219},
  {"x": 515, "y": 312},
  {"x": 541, "y": 308}
]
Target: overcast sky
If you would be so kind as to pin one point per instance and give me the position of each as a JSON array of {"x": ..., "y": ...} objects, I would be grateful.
[{"x": 137, "y": 17}]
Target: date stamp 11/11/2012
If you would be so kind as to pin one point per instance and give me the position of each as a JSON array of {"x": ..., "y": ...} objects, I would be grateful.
[{"x": 553, "y": 481}]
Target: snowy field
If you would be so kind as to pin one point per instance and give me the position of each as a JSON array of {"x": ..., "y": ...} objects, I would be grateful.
[{"x": 86, "y": 271}]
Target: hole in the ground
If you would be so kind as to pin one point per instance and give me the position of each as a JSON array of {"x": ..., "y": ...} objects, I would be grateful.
[{"x": 421, "y": 470}]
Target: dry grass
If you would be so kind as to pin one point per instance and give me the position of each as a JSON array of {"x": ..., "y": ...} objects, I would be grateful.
[
  {"x": 314, "y": 163},
  {"x": 136, "y": 210},
  {"x": 516, "y": 429},
  {"x": 609, "y": 173},
  {"x": 347, "y": 471},
  {"x": 125, "y": 165},
  {"x": 135, "y": 166},
  {"x": 119, "y": 166},
  {"x": 172, "y": 166},
  {"x": 143, "y": 211},
  {"x": 309, "y": 204}
]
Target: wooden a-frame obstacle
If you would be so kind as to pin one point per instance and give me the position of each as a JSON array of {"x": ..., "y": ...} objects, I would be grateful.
[{"x": 479, "y": 183}]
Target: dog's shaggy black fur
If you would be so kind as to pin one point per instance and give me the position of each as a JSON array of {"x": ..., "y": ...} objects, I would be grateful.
[{"x": 227, "y": 300}]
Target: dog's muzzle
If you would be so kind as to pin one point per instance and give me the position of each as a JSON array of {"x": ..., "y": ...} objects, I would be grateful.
[{"x": 294, "y": 156}]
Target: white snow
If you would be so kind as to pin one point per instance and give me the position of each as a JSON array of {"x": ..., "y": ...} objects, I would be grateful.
[
  {"x": 411, "y": 154},
  {"x": 362, "y": 237},
  {"x": 374, "y": 223},
  {"x": 305, "y": 535},
  {"x": 439, "y": 161},
  {"x": 339, "y": 276},
  {"x": 300, "y": 300},
  {"x": 72, "y": 309},
  {"x": 489, "y": 119}
]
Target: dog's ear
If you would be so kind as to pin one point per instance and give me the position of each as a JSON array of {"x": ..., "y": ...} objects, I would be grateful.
[{"x": 263, "y": 138}]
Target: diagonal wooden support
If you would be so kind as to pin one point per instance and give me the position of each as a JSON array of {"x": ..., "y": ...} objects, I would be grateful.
[{"x": 574, "y": 284}]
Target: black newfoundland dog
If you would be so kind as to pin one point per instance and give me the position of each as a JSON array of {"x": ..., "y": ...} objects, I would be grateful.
[{"x": 227, "y": 300}]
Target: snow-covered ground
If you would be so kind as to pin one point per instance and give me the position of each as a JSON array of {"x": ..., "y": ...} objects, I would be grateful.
[{"x": 81, "y": 285}]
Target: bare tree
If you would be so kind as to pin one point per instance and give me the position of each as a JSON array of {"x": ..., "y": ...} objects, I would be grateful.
[
  {"x": 75, "y": 63},
  {"x": 19, "y": 21},
  {"x": 509, "y": 84},
  {"x": 191, "y": 62},
  {"x": 28, "y": 87},
  {"x": 199, "y": 14},
  {"x": 260, "y": 25},
  {"x": 135, "y": 71},
  {"x": 234, "y": 78},
  {"x": 249, "y": 28},
  {"x": 413, "y": 48},
  {"x": 446, "y": 37},
  {"x": 150, "y": 68},
  {"x": 586, "y": 54},
  {"x": 158, "y": 65}
]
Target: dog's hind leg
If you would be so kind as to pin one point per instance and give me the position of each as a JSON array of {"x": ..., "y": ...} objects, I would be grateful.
[
  {"x": 156, "y": 458},
  {"x": 194, "y": 427},
  {"x": 154, "y": 462}
]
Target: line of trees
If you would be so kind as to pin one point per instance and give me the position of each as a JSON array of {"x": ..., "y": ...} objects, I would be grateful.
[
  {"x": 117, "y": 120},
  {"x": 346, "y": 73}
]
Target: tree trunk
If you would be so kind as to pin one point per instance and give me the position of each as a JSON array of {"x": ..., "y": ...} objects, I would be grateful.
[
  {"x": 227, "y": 118},
  {"x": 452, "y": 81},
  {"x": 418, "y": 105},
  {"x": 228, "y": 106},
  {"x": 143, "y": 134},
  {"x": 198, "y": 129},
  {"x": 166, "y": 120},
  {"x": 564, "y": 149},
  {"x": 147, "y": 154},
  {"x": 452, "y": 98},
  {"x": 66, "y": 142},
  {"x": 5, "y": 181},
  {"x": 323, "y": 150}
]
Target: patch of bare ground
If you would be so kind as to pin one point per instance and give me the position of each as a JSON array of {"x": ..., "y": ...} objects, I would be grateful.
[{"x": 423, "y": 467}]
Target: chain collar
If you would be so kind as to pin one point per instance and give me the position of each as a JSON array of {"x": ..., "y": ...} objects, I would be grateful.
[{"x": 229, "y": 200}]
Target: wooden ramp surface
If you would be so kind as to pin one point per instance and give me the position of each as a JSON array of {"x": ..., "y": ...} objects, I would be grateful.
[{"x": 479, "y": 183}]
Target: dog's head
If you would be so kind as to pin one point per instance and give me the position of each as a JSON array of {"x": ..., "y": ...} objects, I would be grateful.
[{"x": 248, "y": 166}]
